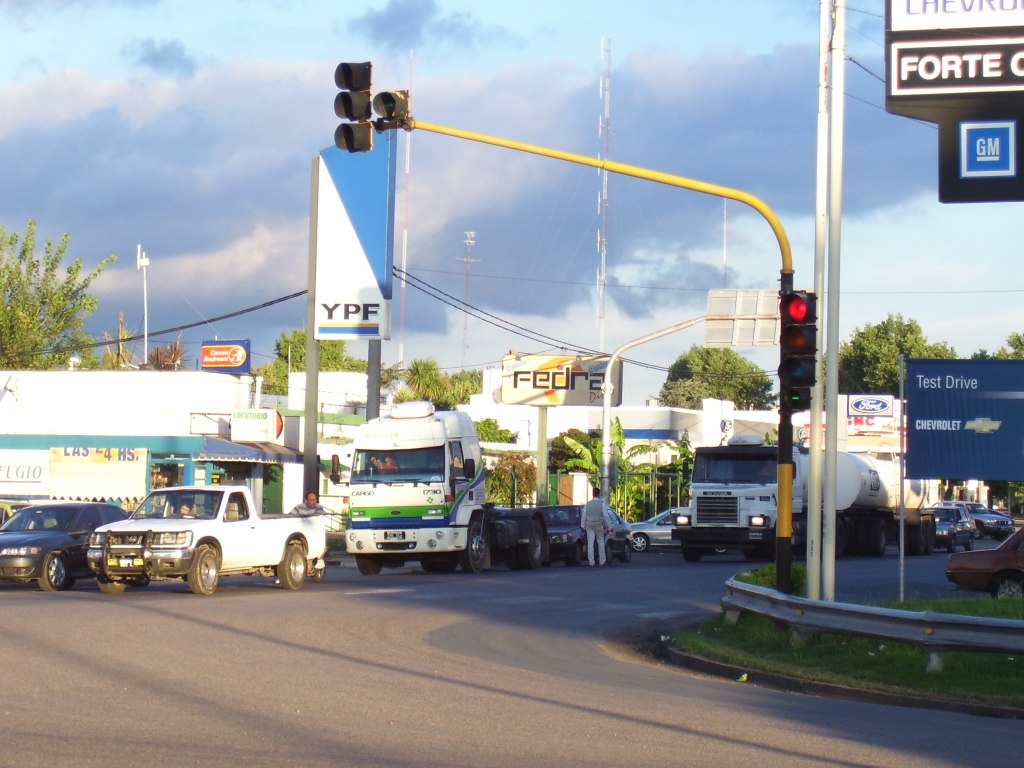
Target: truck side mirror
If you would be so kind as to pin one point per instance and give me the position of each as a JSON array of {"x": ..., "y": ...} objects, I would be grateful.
[
  {"x": 469, "y": 468},
  {"x": 335, "y": 469}
]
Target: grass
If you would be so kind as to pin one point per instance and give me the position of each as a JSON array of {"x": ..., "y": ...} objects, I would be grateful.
[{"x": 756, "y": 643}]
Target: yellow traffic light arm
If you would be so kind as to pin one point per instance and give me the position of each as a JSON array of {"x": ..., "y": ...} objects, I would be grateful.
[{"x": 627, "y": 170}]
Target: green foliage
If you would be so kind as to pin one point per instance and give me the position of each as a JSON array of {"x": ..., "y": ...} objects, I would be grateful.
[
  {"x": 765, "y": 577},
  {"x": 291, "y": 355},
  {"x": 500, "y": 479},
  {"x": 489, "y": 431},
  {"x": 869, "y": 361},
  {"x": 424, "y": 380},
  {"x": 717, "y": 373},
  {"x": 560, "y": 452},
  {"x": 44, "y": 309}
]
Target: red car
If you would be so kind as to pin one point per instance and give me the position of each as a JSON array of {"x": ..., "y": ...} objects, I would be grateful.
[{"x": 999, "y": 571}]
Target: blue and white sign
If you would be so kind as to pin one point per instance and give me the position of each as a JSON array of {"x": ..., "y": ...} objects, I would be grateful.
[
  {"x": 988, "y": 149},
  {"x": 965, "y": 419}
]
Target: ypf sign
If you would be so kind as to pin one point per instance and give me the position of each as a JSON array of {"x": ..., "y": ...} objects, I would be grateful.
[{"x": 960, "y": 63}]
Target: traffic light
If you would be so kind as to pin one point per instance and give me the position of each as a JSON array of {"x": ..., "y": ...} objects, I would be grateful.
[
  {"x": 392, "y": 106},
  {"x": 798, "y": 343},
  {"x": 353, "y": 104}
]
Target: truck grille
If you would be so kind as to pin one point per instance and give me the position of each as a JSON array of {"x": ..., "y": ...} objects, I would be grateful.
[{"x": 717, "y": 510}]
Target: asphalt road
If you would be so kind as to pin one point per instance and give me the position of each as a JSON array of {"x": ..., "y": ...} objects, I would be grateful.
[{"x": 409, "y": 669}]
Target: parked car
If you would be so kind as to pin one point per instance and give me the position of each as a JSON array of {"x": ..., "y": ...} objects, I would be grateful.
[
  {"x": 47, "y": 542},
  {"x": 566, "y": 539},
  {"x": 988, "y": 522},
  {"x": 617, "y": 544},
  {"x": 653, "y": 532},
  {"x": 998, "y": 571},
  {"x": 953, "y": 527}
]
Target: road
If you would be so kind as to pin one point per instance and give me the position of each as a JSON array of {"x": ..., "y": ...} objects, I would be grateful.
[{"x": 410, "y": 669}]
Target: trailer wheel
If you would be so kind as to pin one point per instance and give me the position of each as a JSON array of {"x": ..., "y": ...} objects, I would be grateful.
[
  {"x": 291, "y": 571},
  {"x": 368, "y": 566},
  {"x": 474, "y": 557},
  {"x": 876, "y": 538},
  {"x": 691, "y": 555},
  {"x": 531, "y": 554},
  {"x": 204, "y": 573}
]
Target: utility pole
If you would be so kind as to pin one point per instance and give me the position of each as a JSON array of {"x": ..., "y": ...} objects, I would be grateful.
[
  {"x": 604, "y": 129},
  {"x": 468, "y": 259}
]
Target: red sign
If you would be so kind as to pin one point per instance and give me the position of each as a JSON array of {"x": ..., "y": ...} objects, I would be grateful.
[{"x": 230, "y": 356}]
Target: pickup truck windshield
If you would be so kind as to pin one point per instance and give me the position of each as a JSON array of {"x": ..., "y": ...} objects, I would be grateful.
[
  {"x": 735, "y": 468},
  {"x": 181, "y": 504},
  {"x": 424, "y": 465}
]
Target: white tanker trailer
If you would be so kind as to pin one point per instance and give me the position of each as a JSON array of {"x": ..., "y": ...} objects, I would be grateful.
[{"x": 733, "y": 503}]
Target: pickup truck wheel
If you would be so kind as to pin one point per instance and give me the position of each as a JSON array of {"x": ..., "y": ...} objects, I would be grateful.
[
  {"x": 368, "y": 566},
  {"x": 109, "y": 587},
  {"x": 531, "y": 554},
  {"x": 291, "y": 571},
  {"x": 204, "y": 573},
  {"x": 474, "y": 557},
  {"x": 54, "y": 577}
]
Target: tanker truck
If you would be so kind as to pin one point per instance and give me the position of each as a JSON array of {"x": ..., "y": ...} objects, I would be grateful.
[{"x": 733, "y": 503}]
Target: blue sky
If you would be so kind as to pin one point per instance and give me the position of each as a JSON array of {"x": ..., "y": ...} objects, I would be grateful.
[{"x": 190, "y": 128}]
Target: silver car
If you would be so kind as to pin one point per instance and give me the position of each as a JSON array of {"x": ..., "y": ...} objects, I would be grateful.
[{"x": 655, "y": 532}]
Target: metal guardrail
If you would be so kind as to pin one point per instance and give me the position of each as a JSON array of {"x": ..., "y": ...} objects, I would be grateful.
[{"x": 935, "y": 632}]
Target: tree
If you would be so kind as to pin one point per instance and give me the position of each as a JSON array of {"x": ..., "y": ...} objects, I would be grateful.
[
  {"x": 291, "y": 356},
  {"x": 869, "y": 361},
  {"x": 43, "y": 310},
  {"x": 500, "y": 476},
  {"x": 716, "y": 373},
  {"x": 489, "y": 431},
  {"x": 424, "y": 380}
]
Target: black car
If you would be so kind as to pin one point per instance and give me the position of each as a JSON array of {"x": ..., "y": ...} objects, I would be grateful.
[
  {"x": 566, "y": 539},
  {"x": 619, "y": 543},
  {"x": 47, "y": 542}
]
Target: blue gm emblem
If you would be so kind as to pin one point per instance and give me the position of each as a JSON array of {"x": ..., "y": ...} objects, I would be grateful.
[
  {"x": 988, "y": 149},
  {"x": 871, "y": 405}
]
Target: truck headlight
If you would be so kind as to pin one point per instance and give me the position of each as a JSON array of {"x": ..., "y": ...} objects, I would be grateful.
[
  {"x": 97, "y": 540},
  {"x": 683, "y": 518},
  {"x": 171, "y": 539},
  {"x": 760, "y": 521}
]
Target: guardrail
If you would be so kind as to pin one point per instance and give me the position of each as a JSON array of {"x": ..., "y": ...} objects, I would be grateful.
[{"x": 935, "y": 632}]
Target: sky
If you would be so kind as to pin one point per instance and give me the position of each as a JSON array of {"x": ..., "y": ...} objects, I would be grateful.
[{"x": 190, "y": 128}]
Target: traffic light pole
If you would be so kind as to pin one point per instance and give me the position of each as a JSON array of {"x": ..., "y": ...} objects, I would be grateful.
[{"x": 784, "y": 523}]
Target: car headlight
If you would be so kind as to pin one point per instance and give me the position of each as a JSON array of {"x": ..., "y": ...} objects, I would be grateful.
[
  {"x": 760, "y": 521},
  {"x": 171, "y": 539},
  {"x": 683, "y": 519},
  {"x": 19, "y": 551}
]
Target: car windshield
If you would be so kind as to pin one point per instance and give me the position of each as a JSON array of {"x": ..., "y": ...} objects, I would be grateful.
[
  {"x": 182, "y": 504},
  {"x": 40, "y": 519},
  {"x": 567, "y": 515},
  {"x": 944, "y": 515}
]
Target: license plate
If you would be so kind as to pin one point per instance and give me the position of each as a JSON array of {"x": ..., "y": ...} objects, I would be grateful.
[
  {"x": 394, "y": 535},
  {"x": 125, "y": 562}
]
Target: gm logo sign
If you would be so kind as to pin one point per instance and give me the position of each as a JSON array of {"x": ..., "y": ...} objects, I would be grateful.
[{"x": 988, "y": 150}]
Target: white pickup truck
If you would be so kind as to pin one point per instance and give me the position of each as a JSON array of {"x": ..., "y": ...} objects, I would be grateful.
[{"x": 199, "y": 533}]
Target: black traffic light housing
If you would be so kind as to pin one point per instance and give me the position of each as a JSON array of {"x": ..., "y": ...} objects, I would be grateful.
[
  {"x": 354, "y": 105},
  {"x": 798, "y": 344}
]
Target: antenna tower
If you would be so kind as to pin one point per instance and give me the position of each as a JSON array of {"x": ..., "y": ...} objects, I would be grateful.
[{"x": 468, "y": 259}]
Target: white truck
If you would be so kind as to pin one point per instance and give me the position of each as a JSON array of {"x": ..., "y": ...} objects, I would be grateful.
[
  {"x": 199, "y": 533},
  {"x": 733, "y": 503},
  {"x": 417, "y": 493}
]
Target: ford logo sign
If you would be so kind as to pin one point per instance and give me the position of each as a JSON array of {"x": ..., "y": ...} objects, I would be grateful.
[{"x": 869, "y": 405}]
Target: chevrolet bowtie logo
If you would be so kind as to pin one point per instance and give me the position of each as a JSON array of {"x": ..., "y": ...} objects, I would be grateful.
[{"x": 982, "y": 426}]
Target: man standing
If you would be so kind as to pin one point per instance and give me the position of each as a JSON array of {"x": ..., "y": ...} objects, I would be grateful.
[
  {"x": 311, "y": 505},
  {"x": 595, "y": 524}
]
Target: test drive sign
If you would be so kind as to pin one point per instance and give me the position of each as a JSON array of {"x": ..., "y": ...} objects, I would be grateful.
[{"x": 225, "y": 356}]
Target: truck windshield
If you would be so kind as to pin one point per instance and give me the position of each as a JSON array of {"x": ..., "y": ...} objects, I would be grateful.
[
  {"x": 735, "y": 468},
  {"x": 425, "y": 465},
  {"x": 179, "y": 504}
]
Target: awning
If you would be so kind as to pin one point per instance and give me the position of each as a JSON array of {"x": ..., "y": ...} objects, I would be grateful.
[{"x": 217, "y": 449}]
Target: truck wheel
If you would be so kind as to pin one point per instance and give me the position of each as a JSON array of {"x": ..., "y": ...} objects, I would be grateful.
[
  {"x": 109, "y": 587},
  {"x": 876, "y": 538},
  {"x": 531, "y": 554},
  {"x": 368, "y": 566},
  {"x": 915, "y": 540},
  {"x": 291, "y": 571},
  {"x": 54, "y": 577},
  {"x": 575, "y": 556},
  {"x": 474, "y": 557},
  {"x": 204, "y": 573},
  {"x": 691, "y": 555}
]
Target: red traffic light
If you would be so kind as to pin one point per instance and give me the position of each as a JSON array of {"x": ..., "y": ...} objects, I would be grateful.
[{"x": 798, "y": 307}]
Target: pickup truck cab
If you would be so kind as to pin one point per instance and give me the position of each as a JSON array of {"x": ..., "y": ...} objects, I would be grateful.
[{"x": 199, "y": 533}]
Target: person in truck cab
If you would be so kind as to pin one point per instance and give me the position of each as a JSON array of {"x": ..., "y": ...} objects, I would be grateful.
[
  {"x": 387, "y": 465},
  {"x": 185, "y": 510}
]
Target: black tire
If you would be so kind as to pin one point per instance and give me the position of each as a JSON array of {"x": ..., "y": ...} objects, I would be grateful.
[
  {"x": 929, "y": 537},
  {"x": 368, "y": 566},
  {"x": 951, "y": 547},
  {"x": 969, "y": 544},
  {"x": 607, "y": 553},
  {"x": 627, "y": 553},
  {"x": 318, "y": 575},
  {"x": 109, "y": 587},
  {"x": 641, "y": 542},
  {"x": 876, "y": 538},
  {"x": 439, "y": 564},
  {"x": 291, "y": 571},
  {"x": 55, "y": 574},
  {"x": 575, "y": 556},
  {"x": 1008, "y": 585},
  {"x": 473, "y": 559},
  {"x": 531, "y": 554},
  {"x": 691, "y": 555},
  {"x": 204, "y": 572}
]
